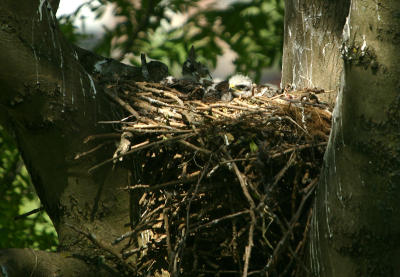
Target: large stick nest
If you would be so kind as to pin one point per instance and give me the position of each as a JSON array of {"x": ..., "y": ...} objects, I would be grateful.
[{"x": 219, "y": 189}]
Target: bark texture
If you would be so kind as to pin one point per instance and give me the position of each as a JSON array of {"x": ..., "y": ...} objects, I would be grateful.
[
  {"x": 356, "y": 227},
  {"x": 312, "y": 41},
  {"x": 51, "y": 101},
  {"x": 28, "y": 262}
]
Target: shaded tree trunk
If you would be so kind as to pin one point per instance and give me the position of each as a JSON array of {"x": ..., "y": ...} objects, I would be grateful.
[
  {"x": 355, "y": 226},
  {"x": 51, "y": 101}
]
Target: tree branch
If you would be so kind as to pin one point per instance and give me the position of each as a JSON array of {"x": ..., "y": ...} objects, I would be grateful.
[{"x": 34, "y": 263}]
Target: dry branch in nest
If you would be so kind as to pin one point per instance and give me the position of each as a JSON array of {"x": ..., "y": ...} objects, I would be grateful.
[{"x": 220, "y": 189}]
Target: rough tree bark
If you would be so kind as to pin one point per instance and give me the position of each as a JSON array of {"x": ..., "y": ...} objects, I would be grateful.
[{"x": 355, "y": 226}]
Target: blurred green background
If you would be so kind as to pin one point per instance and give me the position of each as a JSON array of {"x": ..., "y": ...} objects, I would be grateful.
[
  {"x": 250, "y": 31},
  {"x": 17, "y": 196}
]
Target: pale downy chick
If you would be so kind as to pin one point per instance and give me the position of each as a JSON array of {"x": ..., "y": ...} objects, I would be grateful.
[{"x": 241, "y": 86}]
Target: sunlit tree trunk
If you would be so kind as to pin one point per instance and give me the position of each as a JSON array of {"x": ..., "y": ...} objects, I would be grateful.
[
  {"x": 312, "y": 39},
  {"x": 355, "y": 227}
]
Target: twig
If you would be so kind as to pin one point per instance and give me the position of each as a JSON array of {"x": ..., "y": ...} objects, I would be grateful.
[
  {"x": 162, "y": 141},
  {"x": 194, "y": 147},
  {"x": 299, "y": 147},
  {"x": 114, "y": 122},
  {"x": 216, "y": 221},
  {"x": 229, "y": 106},
  {"x": 168, "y": 234},
  {"x": 276, "y": 155},
  {"x": 125, "y": 105},
  {"x": 309, "y": 186},
  {"x": 188, "y": 179},
  {"x": 293, "y": 221},
  {"x": 282, "y": 172},
  {"x": 138, "y": 186},
  {"x": 322, "y": 106},
  {"x": 102, "y": 136},
  {"x": 295, "y": 123},
  {"x": 242, "y": 103},
  {"x": 241, "y": 180},
  {"x": 94, "y": 149},
  {"x": 128, "y": 253},
  {"x": 145, "y": 131},
  {"x": 102, "y": 245},
  {"x": 246, "y": 193},
  {"x": 300, "y": 246},
  {"x": 181, "y": 244},
  {"x": 34, "y": 211},
  {"x": 150, "y": 126}
]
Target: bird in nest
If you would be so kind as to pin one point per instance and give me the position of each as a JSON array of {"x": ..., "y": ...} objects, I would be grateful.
[
  {"x": 193, "y": 69},
  {"x": 237, "y": 86},
  {"x": 241, "y": 86},
  {"x": 195, "y": 76}
]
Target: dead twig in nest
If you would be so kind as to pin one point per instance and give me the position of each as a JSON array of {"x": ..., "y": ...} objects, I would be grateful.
[
  {"x": 147, "y": 145},
  {"x": 294, "y": 220},
  {"x": 246, "y": 193}
]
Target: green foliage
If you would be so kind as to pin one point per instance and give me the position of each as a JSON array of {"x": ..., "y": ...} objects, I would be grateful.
[
  {"x": 17, "y": 196},
  {"x": 70, "y": 31},
  {"x": 252, "y": 29}
]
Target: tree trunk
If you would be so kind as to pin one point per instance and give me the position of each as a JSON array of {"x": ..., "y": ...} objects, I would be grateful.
[
  {"x": 312, "y": 39},
  {"x": 355, "y": 226},
  {"x": 51, "y": 101}
]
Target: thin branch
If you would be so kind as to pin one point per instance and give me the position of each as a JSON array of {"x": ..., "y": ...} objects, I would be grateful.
[
  {"x": 246, "y": 193},
  {"x": 34, "y": 211},
  {"x": 162, "y": 141},
  {"x": 168, "y": 234},
  {"x": 282, "y": 172},
  {"x": 293, "y": 221},
  {"x": 94, "y": 149},
  {"x": 102, "y": 246},
  {"x": 102, "y": 136},
  {"x": 218, "y": 220},
  {"x": 194, "y": 147},
  {"x": 145, "y": 131},
  {"x": 129, "y": 108}
]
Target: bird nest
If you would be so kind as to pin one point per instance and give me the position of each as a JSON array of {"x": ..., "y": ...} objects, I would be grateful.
[{"x": 222, "y": 188}]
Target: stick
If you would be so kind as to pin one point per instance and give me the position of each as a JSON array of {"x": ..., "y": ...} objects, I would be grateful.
[
  {"x": 80, "y": 155},
  {"x": 216, "y": 221},
  {"x": 34, "y": 211},
  {"x": 101, "y": 245},
  {"x": 246, "y": 193},
  {"x": 102, "y": 136},
  {"x": 293, "y": 221},
  {"x": 196, "y": 148},
  {"x": 283, "y": 170},
  {"x": 145, "y": 131},
  {"x": 168, "y": 140}
]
